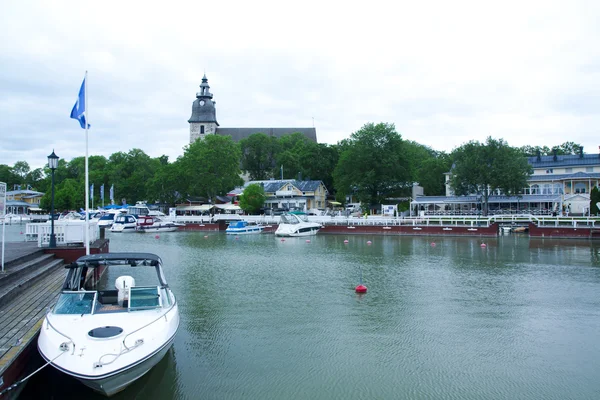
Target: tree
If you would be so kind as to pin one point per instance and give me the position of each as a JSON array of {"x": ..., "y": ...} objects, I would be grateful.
[
  {"x": 372, "y": 164},
  {"x": 211, "y": 167},
  {"x": 562, "y": 149},
  {"x": 253, "y": 198},
  {"x": 594, "y": 201},
  {"x": 21, "y": 169},
  {"x": 482, "y": 168},
  {"x": 258, "y": 156},
  {"x": 427, "y": 167}
]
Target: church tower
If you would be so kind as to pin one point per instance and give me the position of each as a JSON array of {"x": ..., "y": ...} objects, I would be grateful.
[{"x": 204, "y": 115}]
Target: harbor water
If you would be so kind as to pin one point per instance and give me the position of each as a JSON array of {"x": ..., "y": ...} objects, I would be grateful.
[{"x": 443, "y": 318}]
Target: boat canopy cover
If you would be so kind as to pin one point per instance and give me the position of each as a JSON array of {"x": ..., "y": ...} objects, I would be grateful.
[{"x": 133, "y": 259}]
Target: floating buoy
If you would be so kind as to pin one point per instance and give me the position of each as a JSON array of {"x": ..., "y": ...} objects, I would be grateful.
[
  {"x": 206, "y": 236},
  {"x": 346, "y": 241},
  {"x": 21, "y": 233},
  {"x": 483, "y": 245},
  {"x": 368, "y": 242},
  {"x": 282, "y": 239},
  {"x": 237, "y": 237},
  {"x": 157, "y": 237},
  {"x": 432, "y": 244},
  {"x": 361, "y": 289},
  {"x": 307, "y": 240}
]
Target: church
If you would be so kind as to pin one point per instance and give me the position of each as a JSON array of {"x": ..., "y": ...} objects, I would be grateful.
[{"x": 204, "y": 121}]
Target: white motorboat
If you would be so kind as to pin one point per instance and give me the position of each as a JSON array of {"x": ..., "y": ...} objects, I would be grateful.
[
  {"x": 149, "y": 223},
  {"x": 124, "y": 223},
  {"x": 243, "y": 228},
  {"x": 293, "y": 225},
  {"x": 107, "y": 337}
]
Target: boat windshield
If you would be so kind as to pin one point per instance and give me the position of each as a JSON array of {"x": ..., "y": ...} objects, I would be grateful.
[
  {"x": 289, "y": 219},
  {"x": 144, "y": 298},
  {"x": 75, "y": 302}
]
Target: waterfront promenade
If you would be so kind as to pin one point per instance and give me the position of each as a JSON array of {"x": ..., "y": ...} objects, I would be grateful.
[{"x": 29, "y": 285}]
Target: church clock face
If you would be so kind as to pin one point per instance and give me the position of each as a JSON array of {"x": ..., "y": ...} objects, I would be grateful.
[{"x": 201, "y": 102}]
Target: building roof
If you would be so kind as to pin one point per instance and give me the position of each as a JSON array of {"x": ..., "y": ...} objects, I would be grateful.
[
  {"x": 569, "y": 160},
  {"x": 238, "y": 134},
  {"x": 274, "y": 185},
  {"x": 31, "y": 193}
]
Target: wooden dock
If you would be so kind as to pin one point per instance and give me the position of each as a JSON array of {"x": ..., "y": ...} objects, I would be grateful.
[{"x": 29, "y": 287}]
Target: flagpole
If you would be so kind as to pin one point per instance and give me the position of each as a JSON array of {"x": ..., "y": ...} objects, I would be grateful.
[{"x": 87, "y": 177}]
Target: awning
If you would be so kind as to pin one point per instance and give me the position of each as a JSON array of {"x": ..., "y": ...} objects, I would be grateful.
[
  {"x": 203, "y": 207},
  {"x": 335, "y": 203},
  {"x": 228, "y": 207}
]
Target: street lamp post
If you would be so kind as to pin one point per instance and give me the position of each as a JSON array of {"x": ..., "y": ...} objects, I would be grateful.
[{"x": 52, "y": 164}]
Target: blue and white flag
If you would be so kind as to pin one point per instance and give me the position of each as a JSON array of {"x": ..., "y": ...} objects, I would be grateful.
[
  {"x": 92, "y": 190},
  {"x": 112, "y": 193},
  {"x": 78, "y": 112},
  {"x": 102, "y": 192}
]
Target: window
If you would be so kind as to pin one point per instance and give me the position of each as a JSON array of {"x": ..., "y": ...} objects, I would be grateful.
[
  {"x": 201, "y": 129},
  {"x": 579, "y": 187},
  {"x": 549, "y": 171},
  {"x": 568, "y": 170},
  {"x": 589, "y": 169},
  {"x": 535, "y": 189}
]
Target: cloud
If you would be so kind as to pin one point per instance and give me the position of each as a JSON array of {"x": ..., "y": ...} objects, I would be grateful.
[{"x": 443, "y": 73}]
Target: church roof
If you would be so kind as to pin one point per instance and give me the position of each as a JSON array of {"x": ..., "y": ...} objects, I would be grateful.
[{"x": 238, "y": 134}]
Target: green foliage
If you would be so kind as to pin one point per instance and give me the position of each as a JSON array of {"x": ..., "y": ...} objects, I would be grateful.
[
  {"x": 562, "y": 149},
  {"x": 210, "y": 167},
  {"x": 481, "y": 168},
  {"x": 372, "y": 164},
  {"x": 253, "y": 198},
  {"x": 258, "y": 156},
  {"x": 594, "y": 201},
  {"x": 427, "y": 168}
]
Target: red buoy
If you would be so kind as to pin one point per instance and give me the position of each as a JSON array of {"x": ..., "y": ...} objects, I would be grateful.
[
  {"x": 368, "y": 242},
  {"x": 156, "y": 237},
  {"x": 432, "y": 244},
  {"x": 206, "y": 236},
  {"x": 282, "y": 239},
  {"x": 361, "y": 289},
  {"x": 346, "y": 241},
  {"x": 483, "y": 245},
  {"x": 307, "y": 240}
]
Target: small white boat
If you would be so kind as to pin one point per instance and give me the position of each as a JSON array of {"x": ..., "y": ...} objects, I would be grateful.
[
  {"x": 293, "y": 225},
  {"x": 107, "y": 337},
  {"x": 243, "y": 228},
  {"x": 124, "y": 223},
  {"x": 149, "y": 223}
]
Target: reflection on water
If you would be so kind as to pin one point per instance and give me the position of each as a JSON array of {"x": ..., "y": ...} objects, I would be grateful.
[{"x": 444, "y": 317}]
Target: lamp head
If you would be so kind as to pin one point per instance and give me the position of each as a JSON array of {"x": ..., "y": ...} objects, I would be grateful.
[{"x": 53, "y": 161}]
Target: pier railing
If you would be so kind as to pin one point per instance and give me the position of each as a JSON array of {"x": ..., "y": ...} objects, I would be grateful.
[
  {"x": 427, "y": 220},
  {"x": 66, "y": 233}
]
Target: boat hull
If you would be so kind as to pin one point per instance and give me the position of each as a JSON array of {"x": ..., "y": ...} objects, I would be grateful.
[
  {"x": 309, "y": 231},
  {"x": 245, "y": 231},
  {"x": 119, "y": 380},
  {"x": 157, "y": 229},
  {"x": 115, "y": 383}
]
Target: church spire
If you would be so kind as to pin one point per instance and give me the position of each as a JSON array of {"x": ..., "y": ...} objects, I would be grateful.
[{"x": 204, "y": 89}]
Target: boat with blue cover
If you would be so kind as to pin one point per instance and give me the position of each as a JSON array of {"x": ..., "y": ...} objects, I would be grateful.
[{"x": 243, "y": 228}]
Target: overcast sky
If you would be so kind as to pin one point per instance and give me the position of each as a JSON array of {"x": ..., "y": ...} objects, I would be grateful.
[{"x": 443, "y": 72}]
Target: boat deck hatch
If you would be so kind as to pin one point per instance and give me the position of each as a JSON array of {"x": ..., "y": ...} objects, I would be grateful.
[{"x": 105, "y": 332}]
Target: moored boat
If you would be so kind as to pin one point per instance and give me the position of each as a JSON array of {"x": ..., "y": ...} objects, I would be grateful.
[
  {"x": 124, "y": 223},
  {"x": 149, "y": 223},
  {"x": 293, "y": 225},
  {"x": 107, "y": 337},
  {"x": 243, "y": 228}
]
